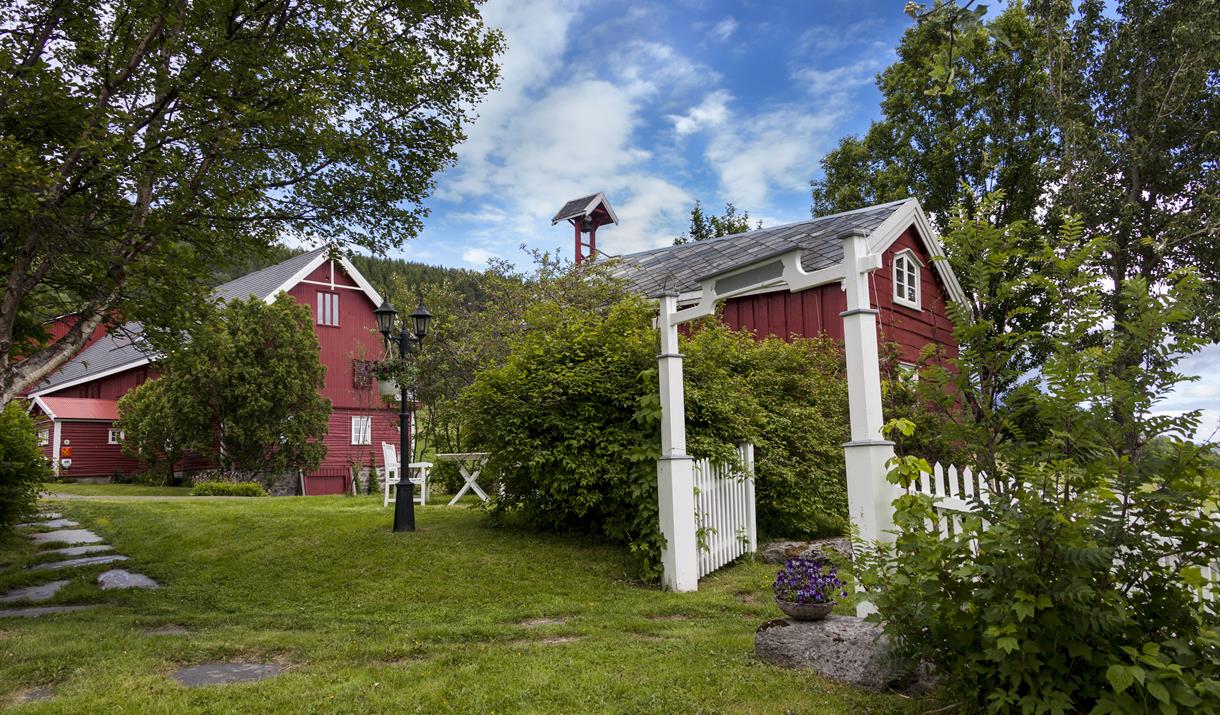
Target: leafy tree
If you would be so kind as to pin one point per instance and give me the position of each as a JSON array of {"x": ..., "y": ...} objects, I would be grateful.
[
  {"x": 142, "y": 144},
  {"x": 149, "y": 418},
  {"x": 703, "y": 226},
  {"x": 1076, "y": 586},
  {"x": 951, "y": 133},
  {"x": 245, "y": 389},
  {"x": 1069, "y": 109},
  {"x": 22, "y": 465}
]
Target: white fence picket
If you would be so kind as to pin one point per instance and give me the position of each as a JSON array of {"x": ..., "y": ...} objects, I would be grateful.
[
  {"x": 957, "y": 490},
  {"x": 724, "y": 510}
]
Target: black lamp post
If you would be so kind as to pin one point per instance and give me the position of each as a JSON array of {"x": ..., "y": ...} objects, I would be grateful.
[{"x": 407, "y": 342}]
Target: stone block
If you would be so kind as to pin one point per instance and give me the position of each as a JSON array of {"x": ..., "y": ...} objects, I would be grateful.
[
  {"x": 778, "y": 552},
  {"x": 841, "y": 648},
  {"x": 118, "y": 578}
]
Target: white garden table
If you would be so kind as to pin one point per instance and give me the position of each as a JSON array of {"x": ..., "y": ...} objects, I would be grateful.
[{"x": 470, "y": 464}]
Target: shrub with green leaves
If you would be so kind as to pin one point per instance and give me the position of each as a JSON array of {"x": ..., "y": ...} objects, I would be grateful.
[
  {"x": 228, "y": 489},
  {"x": 1077, "y": 585},
  {"x": 572, "y": 422},
  {"x": 22, "y": 465}
]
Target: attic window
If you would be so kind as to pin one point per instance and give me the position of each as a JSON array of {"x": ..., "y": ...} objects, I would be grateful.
[
  {"x": 328, "y": 308},
  {"x": 44, "y": 437},
  {"x": 906, "y": 280}
]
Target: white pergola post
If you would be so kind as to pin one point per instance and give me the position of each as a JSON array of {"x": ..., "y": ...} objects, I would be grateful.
[
  {"x": 675, "y": 469},
  {"x": 869, "y": 495}
]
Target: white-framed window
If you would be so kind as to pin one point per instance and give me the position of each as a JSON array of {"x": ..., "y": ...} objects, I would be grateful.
[
  {"x": 362, "y": 430},
  {"x": 44, "y": 437},
  {"x": 115, "y": 436},
  {"x": 908, "y": 372},
  {"x": 906, "y": 280},
  {"x": 328, "y": 308}
]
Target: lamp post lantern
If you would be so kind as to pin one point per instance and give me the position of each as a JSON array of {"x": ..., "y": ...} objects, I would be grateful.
[{"x": 407, "y": 342}]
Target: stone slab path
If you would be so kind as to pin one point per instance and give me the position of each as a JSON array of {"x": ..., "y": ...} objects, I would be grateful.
[
  {"x": 55, "y": 523},
  {"x": 72, "y": 563},
  {"x": 44, "y": 592},
  {"x": 78, "y": 550},
  {"x": 118, "y": 578},
  {"x": 66, "y": 536},
  {"x": 36, "y": 611},
  {"x": 224, "y": 673}
]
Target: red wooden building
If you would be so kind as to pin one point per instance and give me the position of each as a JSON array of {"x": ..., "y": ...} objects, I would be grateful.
[
  {"x": 76, "y": 407},
  {"x": 910, "y": 290}
]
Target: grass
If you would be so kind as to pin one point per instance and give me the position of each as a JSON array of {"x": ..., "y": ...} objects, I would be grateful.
[
  {"x": 459, "y": 616},
  {"x": 110, "y": 490}
]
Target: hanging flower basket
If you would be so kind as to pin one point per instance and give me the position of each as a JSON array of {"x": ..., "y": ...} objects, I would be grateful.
[{"x": 388, "y": 388}]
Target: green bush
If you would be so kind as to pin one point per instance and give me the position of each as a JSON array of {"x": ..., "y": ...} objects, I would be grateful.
[
  {"x": 572, "y": 422},
  {"x": 228, "y": 489},
  {"x": 22, "y": 465}
]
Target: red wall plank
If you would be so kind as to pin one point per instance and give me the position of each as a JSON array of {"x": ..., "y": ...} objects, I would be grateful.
[{"x": 816, "y": 311}]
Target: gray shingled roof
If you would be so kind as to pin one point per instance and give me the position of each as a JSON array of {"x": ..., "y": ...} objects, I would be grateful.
[
  {"x": 118, "y": 348},
  {"x": 575, "y": 207},
  {"x": 682, "y": 266}
]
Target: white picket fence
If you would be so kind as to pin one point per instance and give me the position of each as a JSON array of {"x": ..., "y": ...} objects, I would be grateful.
[
  {"x": 957, "y": 490},
  {"x": 726, "y": 527}
]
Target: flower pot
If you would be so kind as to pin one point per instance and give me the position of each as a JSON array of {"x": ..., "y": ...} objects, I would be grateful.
[
  {"x": 805, "y": 611},
  {"x": 388, "y": 388}
]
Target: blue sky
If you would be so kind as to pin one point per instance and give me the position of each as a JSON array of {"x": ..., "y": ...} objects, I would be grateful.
[
  {"x": 657, "y": 105},
  {"x": 661, "y": 104}
]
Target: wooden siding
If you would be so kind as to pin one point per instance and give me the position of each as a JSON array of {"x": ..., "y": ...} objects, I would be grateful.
[
  {"x": 814, "y": 312},
  {"x": 92, "y": 456},
  {"x": 355, "y": 338},
  {"x": 340, "y": 452}
]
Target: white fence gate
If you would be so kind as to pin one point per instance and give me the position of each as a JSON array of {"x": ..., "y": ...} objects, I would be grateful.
[
  {"x": 724, "y": 510},
  {"x": 956, "y": 489}
]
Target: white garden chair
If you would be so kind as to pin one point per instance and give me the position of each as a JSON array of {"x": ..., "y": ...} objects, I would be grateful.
[{"x": 419, "y": 470}]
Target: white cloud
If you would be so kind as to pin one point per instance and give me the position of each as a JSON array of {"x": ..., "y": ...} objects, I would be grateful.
[
  {"x": 724, "y": 29},
  {"x": 776, "y": 149},
  {"x": 839, "y": 79},
  {"x": 711, "y": 112},
  {"x": 477, "y": 257}
]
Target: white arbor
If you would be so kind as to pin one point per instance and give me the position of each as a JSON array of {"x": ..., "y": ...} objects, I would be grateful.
[{"x": 869, "y": 495}]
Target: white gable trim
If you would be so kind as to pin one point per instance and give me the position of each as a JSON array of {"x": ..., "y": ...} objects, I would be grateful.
[
  {"x": 601, "y": 198},
  {"x": 43, "y": 406},
  {"x": 912, "y": 213},
  {"x": 91, "y": 377},
  {"x": 299, "y": 276}
]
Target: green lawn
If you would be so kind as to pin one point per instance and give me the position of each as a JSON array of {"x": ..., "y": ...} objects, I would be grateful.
[
  {"x": 133, "y": 490},
  {"x": 371, "y": 621}
]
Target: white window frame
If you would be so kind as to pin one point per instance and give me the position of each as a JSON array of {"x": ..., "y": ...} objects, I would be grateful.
[
  {"x": 897, "y": 269},
  {"x": 115, "y": 436},
  {"x": 328, "y": 309},
  {"x": 908, "y": 372},
  {"x": 362, "y": 429},
  {"x": 44, "y": 437}
]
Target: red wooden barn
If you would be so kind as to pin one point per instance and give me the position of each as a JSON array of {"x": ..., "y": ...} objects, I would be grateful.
[
  {"x": 910, "y": 290},
  {"x": 76, "y": 407}
]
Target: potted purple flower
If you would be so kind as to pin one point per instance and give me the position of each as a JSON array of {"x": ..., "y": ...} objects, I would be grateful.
[{"x": 807, "y": 589}]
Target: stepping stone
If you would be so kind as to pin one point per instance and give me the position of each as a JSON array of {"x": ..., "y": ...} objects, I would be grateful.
[
  {"x": 535, "y": 622},
  {"x": 35, "y": 695},
  {"x": 70, "y": 563},
  {"x": 36, "y": 611},
  {"x": 224, "y": 673},
  {"x": 166, "y": 630},
  {"x": 118, "y": 578},
  {"x": 67, "y": 536},
  {"x": 52, "y": 524},
  {"x": 50, "y": 515},
  {"x": 34, "y": 593},
  {"x": 79, "y": 550}
]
